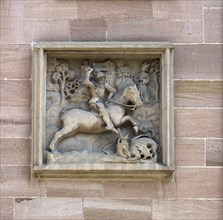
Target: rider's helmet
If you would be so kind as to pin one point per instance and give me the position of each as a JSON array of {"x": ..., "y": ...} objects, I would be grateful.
[{"x": 99, "y": 75}]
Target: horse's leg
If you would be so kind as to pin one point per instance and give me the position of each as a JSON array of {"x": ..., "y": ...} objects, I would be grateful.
[
  {"x": 133, "y": 122},
  {"x": 64, "y": 132}
]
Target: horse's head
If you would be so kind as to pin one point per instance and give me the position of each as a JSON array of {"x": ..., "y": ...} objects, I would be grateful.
[{"x": 132, "y": 95}]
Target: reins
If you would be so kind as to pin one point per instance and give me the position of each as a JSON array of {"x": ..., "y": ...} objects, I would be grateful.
[{"x": 130, "y": 107}]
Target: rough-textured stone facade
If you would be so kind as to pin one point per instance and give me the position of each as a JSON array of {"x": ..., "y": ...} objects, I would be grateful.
[{"x": 195, "y": 28}]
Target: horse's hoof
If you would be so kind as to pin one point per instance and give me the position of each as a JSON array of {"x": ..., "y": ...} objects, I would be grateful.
[{"x": 136, "y": 129}]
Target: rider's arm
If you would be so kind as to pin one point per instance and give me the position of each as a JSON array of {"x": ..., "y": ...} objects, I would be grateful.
[{"x": 111, "y": 90}]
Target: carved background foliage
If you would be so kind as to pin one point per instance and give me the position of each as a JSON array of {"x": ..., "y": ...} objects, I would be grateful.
[{"x": 103, "y": 110}]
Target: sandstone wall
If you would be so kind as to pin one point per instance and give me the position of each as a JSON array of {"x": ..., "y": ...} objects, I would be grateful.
[{"x": 195, "y": 27}]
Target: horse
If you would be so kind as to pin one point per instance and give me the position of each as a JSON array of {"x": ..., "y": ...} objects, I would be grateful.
[{"x": 82, "y": 121}]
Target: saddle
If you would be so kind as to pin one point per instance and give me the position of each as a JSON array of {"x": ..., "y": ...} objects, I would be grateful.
[{"x": 95, "y": 113}]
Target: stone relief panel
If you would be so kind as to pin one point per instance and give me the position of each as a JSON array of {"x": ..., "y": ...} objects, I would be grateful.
[
  {"x": 99, "y": 112},
  {"x": 103, "y": 110}
]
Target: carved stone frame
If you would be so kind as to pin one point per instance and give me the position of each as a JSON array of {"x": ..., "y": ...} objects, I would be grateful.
[{"x": 95, "y": 171}]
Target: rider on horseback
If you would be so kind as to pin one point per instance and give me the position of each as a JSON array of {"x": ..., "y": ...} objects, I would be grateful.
[{"x": 98, "y": 90}]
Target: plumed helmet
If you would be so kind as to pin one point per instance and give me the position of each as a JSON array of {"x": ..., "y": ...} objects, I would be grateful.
[{"x": 99, "y": 75}]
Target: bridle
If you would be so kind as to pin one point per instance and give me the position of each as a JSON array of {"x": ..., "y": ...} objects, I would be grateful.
[{"x": 130, "y": 107}]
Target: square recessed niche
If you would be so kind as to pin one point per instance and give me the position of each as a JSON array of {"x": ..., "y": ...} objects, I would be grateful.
[{"x": 103, "y": 110}]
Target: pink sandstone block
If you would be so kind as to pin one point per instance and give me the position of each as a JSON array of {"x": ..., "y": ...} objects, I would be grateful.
[
  {"x": 198, "y": 62},
  {"x": 199, "y": 182},
  {"x": 39, "y": 9},
  {"x": 214, "y": 152},
  {"x": 15, "y": 122},
  {"x": 16, "y": 182},
  {"x": 131, "y": 189},
  {"x": 24, "y": 31},
  {"x": 15, "y": 151},
  {"x": 15, "y": 93},
  {"x": 123, "y": 209},
  {"x": 198, "y": 93},
  {"x": 88, "y": 30},
  {"x": 187, "y": 210},
  {"x": 189, "y": 152},
  {"x": 212, "y": 3},
  {"x": 199, "y": 123},
  {"x": 48, "y": 208},
  {"x": 65, "y": 188},
  {"x": 174, "y": 9},
  {"x": 187, "y": 31},
  {"x": 140, "y": 9},
  {"x": 15, "y": 61},
  {"x": 213, "y": 29}
]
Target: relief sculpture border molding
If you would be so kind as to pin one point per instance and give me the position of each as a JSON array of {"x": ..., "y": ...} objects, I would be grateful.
[{"x": 94, "y": 57}]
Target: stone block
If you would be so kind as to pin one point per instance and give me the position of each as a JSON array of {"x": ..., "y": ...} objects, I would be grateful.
[
  {"x": 73, "y": 189},
  {"x": 48, "y": 208},
  {"x": 15, "y": 93},
  {"x": 88, "y": 30},
  {"x": 131, "y": 190},
  {"x": 39, "y": 9},
  {"x": 169, "y": 190},
  {"x": 15, "y": 122},
  {"x": 114, "y": 10},
  {"x": 198, "y": 62},
  {"x": 15, "y": 61},
  {"x": 187, "y": 210},
  {"x": 24, "y": 31},
  {"x": 213, "y": 29},
  {"x": 199, "y": 182},
  {"x": 174, "y": 9},
  {"x": 6, "y": 209},
  {"x": 198, "y": 93},
  {"x": 199, "y": 123},
  {"x": 16, "y": 181},
  {"x": 189, "y": 152},
  {"x": 117, "y": 209},
  {"x": 212, "y": 3},
  {"x": 214, "y": 152},
  {"x": 187, "y": 31},
  {"x": 15, "y": 152}
]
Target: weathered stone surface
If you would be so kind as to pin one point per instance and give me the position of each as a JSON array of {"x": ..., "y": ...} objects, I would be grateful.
[
  {"x": 199, "y": 182},
  {"x": 15, "y": 181},
  {"x": 214, "y": 152},
  {"x": 15, "y": 151},
  {"x": 6, "y": 209},
  {"x": 169, "y": 190},
  {"x": 88, "y": 30},
  {"x": 187, "y": 210},
  {"x": 39, "y": 9},
  {"x": 112, "y": 10},
  {"x": 79, "y": 141},
  {"x": 131, "y": 189},
  {"x": 198, "y": 62},
  {"x": 198, "y": 93},
  {"x": 15, "y": 93},
  {"x": 15, "y": 61},
  {"x": 199, "y": 123},
  {"x": 174, "y": 9},
  {"x": 190, "y": 152},
  {"x": 15, "y": 122},
  {"x": 213, "y": 29},
  {"x": 175, "y": 31},
  {"x": 212, "y": 3},
  {"x": 48, "y": 208},
  {"x": 24, "y": 31},
  {"x": 73, "y": 189},
  {"x": 117, "y": 209}
]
